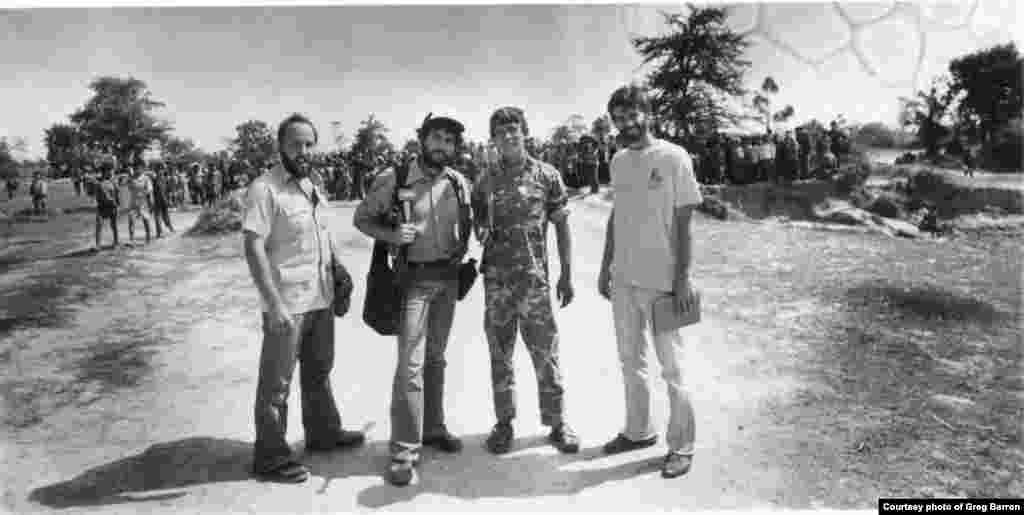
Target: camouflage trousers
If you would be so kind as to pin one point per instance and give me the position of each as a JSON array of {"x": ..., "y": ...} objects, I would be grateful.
[{"x": 514, "y": 304}]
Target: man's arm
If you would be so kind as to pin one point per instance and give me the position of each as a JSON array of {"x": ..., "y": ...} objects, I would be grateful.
[
  {"x": 609, "y": 242},
  {"x": 684, "y": 240},
  {"x": 367, "y": 217},
  {"x": 259, "y": 268},
  {"x": 564, "y": 236}
]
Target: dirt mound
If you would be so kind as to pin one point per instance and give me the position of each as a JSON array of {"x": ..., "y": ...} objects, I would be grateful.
[
  {"x": 954, "y": 196},
  {"x": 224, "y": 217}
]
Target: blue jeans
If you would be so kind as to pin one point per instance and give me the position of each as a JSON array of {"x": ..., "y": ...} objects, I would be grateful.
[
  {"x": 311, "y": 343},
  {"x": 417, "y": 407}
]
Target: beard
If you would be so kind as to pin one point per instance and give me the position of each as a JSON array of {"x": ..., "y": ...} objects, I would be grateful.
[
  {"x": 433, "y": 162},
  {"x": 298, "y": 167},
  {"x": 633, "y": 134}
]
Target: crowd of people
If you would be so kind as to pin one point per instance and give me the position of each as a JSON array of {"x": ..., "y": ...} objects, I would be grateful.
[{"x": 771, "y": 157}]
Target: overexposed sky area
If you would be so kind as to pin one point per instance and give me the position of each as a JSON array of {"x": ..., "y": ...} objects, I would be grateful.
[{"x": 217, "y": 66}]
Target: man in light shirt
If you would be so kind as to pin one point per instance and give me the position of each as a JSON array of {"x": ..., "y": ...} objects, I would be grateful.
[
  {"x": 647, "y": 256},
  {"x": 287, "y": 248},
  {"x": 140, "y": 201}
]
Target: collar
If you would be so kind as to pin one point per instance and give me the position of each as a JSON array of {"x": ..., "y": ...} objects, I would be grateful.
[{"x": 528, "y": 164}]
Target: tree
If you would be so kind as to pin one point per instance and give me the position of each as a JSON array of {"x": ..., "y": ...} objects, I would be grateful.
[
  {"x": 65, "y": 147},
  {"x": 698, "y": 65},
  {"x": 371, "y": 142},
  {"x": 926, "y": 112},
  {"x": 570, "y": 130},
  {"x": 8, "y": 166},
  {"x": 876, "y": 134},
  {"x": 179, "y": 151},
  {"x": 253, "y": 142},
  {"x": 762, "y": 104},
  {"x": 990, "y": 82},
  {"x": 119, "y": 118}
]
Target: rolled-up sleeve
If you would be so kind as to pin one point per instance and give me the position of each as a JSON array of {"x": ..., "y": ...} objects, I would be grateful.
[
  {"x": 557, "y": 203},
  {"x": 258, "y": 208}
]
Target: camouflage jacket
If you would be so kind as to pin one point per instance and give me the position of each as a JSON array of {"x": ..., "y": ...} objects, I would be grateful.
[{"x": 513, "y": 208}]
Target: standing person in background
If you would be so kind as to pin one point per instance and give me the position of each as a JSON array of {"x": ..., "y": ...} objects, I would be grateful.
[
  {"x": 107, "y": 198},
  {"x": 140, "y": 201},
  {"x": 161, "y": 200},
  {"x": 39, "y": 190},
  {"x": 588, "y": 162},
  {"x": 803, "y": 141},
  {"x": 647, "y": 252}
]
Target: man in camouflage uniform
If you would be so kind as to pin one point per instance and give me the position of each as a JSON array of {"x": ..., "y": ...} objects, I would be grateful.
[{"x": 514, "y": 201}]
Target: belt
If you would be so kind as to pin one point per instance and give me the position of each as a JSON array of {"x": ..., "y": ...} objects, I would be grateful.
[{"x": 440, "y": 263}]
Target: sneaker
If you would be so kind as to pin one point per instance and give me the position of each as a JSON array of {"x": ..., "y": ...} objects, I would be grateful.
[
  {"x": 446, "y": 442},
  {"x": 500, "y": 439},
  {"x": 676, "y": 465},
  {"x": 623, "y": 444},
  {"x": 403, "y": 473},
  {"x": 564, "y": 439}
]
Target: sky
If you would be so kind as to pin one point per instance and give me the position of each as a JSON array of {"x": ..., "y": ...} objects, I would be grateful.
[{"x": 217, "y": 66}]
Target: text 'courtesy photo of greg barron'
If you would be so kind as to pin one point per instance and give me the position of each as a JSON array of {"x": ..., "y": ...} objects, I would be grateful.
[{"x": 511, "y": 257}]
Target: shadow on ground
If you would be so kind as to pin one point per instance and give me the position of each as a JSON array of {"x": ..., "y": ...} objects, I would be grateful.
[
  {"x": 471, "y": 474},
  {"x": 475, "y": 474},
  {"x": 927, "y": 301},
  {"x": 162, "y": 466}
]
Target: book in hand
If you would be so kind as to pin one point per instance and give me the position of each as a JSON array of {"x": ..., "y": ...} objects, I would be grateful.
[{"x": 666, "y": 316}]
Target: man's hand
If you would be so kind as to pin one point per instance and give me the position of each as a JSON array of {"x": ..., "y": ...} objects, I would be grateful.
[
  {"x": 564, "y": 290},
  {"x": 604, "y": 283},
  {"x": 405, "y": 234},
  {"x": 280, "y": 320},
  {"x": 684, "y": 294}
]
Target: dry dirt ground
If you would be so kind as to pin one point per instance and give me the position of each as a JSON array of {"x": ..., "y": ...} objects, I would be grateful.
[{"x": 830, "y": 369}]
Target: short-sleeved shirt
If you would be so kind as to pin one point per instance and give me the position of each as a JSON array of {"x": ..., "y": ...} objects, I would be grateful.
[
  {"x": 512, "y": 208},
  {"x": 280, "y": 209},
  {"x": 140, "y": 191},
  {"x": 435, "y": 210},
  {"x": 649, "y": 185}
]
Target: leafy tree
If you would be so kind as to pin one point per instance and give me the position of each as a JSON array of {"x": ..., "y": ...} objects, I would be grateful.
[
  {"x": 570, "y": 130},
  {"x": 8, "y": 166},
  {"x": 64, "y": 146},
  {"x": 180, "y": 151},
  {"x": 876, "y": 134},
  {"x": 762, "y": 103},
  {"x": 371, "y": 142},
  {"x": 119, "y": 118},
  {"x": 990, "y": 83},
  {"x": 253, "y": 142},
  {"x": 698, "y": 65},
  {"x": 926, "y": 112}
]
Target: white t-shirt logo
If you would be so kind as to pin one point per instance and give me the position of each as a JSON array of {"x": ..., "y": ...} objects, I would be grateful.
[{"x": 655, "y": 180}]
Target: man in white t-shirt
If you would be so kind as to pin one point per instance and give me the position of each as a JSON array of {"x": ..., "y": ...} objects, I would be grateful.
[{"x": 647, "y": 256}]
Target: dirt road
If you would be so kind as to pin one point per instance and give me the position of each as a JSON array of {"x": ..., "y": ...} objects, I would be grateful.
[{"x": 151, "y": 376}]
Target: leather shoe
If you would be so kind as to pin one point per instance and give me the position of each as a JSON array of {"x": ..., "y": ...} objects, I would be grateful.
[
  {"x": 623, "y": 444},
  {"x": 446, "y": 442},
  {"x": 676, "y": 465},
  {"x": 564, "y": 439}
]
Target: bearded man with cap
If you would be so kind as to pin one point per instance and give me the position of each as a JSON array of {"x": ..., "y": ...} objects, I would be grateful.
[
  {"x": 514, "y": 201},
  {"x": 288, "y": 250},
  {"x": 430, "y": 237}
]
